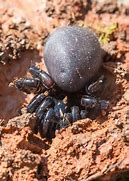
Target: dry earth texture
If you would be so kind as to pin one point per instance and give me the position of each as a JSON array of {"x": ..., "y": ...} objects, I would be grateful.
[{"x": 87, "y": 150}]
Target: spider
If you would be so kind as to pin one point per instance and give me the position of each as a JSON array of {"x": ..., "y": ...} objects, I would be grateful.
[{"x": 67, "y": 92}]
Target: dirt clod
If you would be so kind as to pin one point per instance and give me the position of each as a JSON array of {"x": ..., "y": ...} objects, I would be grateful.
[{"x": 89, "y": 149}]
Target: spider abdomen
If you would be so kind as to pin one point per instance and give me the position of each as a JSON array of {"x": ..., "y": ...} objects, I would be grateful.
[{"x": 72, "y": 56}]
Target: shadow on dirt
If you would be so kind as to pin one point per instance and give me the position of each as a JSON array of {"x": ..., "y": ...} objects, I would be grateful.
[{"x": 10, "y": 98}]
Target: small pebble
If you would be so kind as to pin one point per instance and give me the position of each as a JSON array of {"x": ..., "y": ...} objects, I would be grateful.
[
  {"x": 75, "y": 129},
  {"x": 126, "y": 96},
  {"x": 118, "y": 123}
]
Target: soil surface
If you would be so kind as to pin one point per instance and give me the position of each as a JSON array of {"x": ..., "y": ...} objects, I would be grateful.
[{"x": 89, "y": 149}]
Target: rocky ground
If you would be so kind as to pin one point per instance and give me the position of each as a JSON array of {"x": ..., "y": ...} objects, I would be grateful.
[{"x": 87, "y": 150}]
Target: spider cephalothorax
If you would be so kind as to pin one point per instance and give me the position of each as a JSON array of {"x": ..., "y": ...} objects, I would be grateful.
[{"x": 73, "y": 59}]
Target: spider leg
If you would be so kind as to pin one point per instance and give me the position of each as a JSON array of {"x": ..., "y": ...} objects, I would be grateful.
[
  {"x": 42, "y": 75},
  {"x": 83, "y": 114},
  {"x": 65, "y": 121},
  {"x": 35, "y": 102},
  {"x": 48, "y": 124},
  {"x": 104, "y": 104},
  {"x": 29, "y": 85},
  {"x": 60, "y": 108},
  {"x": 47, "y": 103},
  {"x": 89, "y": 101},
  {"x": 93, "y": 105},
  {"x": 96, "y": 86}
]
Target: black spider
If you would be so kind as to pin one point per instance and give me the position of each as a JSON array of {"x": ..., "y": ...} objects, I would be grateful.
[{"x": 73, "y": 59}]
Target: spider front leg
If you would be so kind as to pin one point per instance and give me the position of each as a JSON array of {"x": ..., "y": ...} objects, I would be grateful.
[
  {"x": 90, "y": 101},
  {"x": 48, "y": 125},
  {"x": 96, "y": 86},
  {"x": 93, "y": 105},
  {"x": 40, "y": 105},
  {"x": 35, "y": 103},
  {"x": 43, "y": 76},
  {"x": 29, "y": 85},
  {"x": 46, "y": 103},
  {"x": 39, "y": 82}
]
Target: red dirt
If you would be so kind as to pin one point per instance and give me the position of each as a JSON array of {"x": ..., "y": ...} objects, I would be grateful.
[{"x": 87, "y": 150}]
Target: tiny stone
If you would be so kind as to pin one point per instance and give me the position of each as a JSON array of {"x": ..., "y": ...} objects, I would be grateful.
[
  {"x": 126, "y": 96},
  {"x": 23, "y": 110},
  {"x": 125, "y": 2},
  {"x": 122, "y": 35},
  {"x": 118, "y": 123},
  {"x": 18, "y": 20},
  {"x": 75, "y": 129},
  {"x": 127, "y": 116},
  {"x": 103, "y": 112},
  {"x": 27, "y": 24},
  {"x": 22, "y": 42},
  {"x": 126, "y": 135}
]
